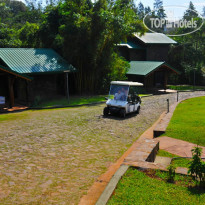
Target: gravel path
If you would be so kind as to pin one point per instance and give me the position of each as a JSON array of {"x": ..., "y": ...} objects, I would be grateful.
[{"x": 54, "y": 156}]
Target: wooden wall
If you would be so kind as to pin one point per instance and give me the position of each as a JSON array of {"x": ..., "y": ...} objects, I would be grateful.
[{"x": 157, "y": 52}]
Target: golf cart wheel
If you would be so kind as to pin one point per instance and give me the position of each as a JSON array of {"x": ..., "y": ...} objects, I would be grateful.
[
  {"x": 106, "y": 111},
  {"x": 138, "y": 110},
  {"x": 122, "y": 113}
]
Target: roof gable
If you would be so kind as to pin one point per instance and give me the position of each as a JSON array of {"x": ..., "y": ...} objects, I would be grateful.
[
  {"x": 8, "y": 70},
  {"x": 155, "y": 38},
  {"x": 131, "y": 45},
  {"x": 146, "y": 67},
  {"x": 30, "y": 60}
]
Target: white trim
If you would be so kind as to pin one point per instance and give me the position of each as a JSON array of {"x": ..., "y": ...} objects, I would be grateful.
[{"x": 129, "y": 83}]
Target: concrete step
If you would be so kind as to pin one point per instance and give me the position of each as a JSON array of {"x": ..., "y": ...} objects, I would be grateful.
[{"x": 163, "y": 160}]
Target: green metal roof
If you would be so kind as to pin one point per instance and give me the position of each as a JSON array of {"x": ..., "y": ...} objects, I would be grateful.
[
  {"x": 30, "y": 60},
  {"x": 146, "y": 67},
  {"x": 8, "y": 70},
  {"x": 155, "y": 38},
  {"x": 130, "y": 45}
]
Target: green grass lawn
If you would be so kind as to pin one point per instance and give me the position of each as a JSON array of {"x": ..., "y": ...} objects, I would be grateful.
[
  {"x": 181, "y": 162},
  {"x": 137, "y": 188},
  {"x": 13, "y": 116},
  {"x": 184, "y": 87},
  {"x": 73, "y": 101},
  {"x": 188, "y": 121}
]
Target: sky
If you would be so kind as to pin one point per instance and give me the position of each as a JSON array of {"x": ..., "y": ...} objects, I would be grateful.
[{"x": 199, "y": 4}]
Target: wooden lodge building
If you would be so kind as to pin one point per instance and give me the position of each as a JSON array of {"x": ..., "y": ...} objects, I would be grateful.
[
  {"x": 27, "y": 74},
  {"x": 147, "y": 55}
]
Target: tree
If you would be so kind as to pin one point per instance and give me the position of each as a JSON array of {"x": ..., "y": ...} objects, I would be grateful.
[
  {"x": 16, "y": 7},
  {"x": 5, "y": 12},
  {"x": 158, "y": 4},
  {"x": 147, "y": 10},
  {"x": 35, "y": 4},
  {"x": 141, "y": 10},
  {"x": 188, "y": 56},
  {"x": 203, "y": 13},
  {"x": 159, "y": 10},
  {"x": 190, "y": 12},
  {"x": 28, "y": 34},
  {"x": 83, "y": 32},
  {"x": 8, "y": 37},
  {"x": 86, "y": 34}
]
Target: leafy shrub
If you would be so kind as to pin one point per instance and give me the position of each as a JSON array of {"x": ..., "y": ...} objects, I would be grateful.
[
  {"x": 197, "y": 166},
  {"x": 171, "y": 173}
]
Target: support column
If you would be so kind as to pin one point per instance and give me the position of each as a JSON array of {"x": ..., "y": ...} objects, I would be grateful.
[
  {"x": 165, "y": 79},
  {"x": 11, "y": 90}
]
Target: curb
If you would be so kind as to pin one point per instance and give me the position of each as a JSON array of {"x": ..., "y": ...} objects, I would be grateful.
[
  {"x": 181, "y": 91},
  {"x": 147, "y": 96},
  {"x": 105, "y": 196},
  {"x": 162, "y": 125}
]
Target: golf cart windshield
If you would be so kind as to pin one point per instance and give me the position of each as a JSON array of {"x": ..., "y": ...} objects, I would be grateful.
[{"x": 119, "y": 92}]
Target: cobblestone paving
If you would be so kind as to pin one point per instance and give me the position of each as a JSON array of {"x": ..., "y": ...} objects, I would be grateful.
[{"x": 54, "y": 156}]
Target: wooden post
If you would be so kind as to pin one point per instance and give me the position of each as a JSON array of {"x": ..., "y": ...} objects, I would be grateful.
[
  {"x": 27, "y": 93},
  {"x": 67, "y": 86},
  {"x": 177, "y": 95},
  {"x": 194, "y": 83},
  {"x": 165, "y": 79},
  {"x": 167, "y": 105},
  {"x": 11, "y": 90}
]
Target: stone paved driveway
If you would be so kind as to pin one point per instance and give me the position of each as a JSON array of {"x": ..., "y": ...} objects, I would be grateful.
[{"x": 54, "y": 156}]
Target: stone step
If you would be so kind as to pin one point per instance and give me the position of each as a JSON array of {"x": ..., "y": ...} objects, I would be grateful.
[
  {"x": 145, "y": 151},
  {"x": 181, "y": 170},
  {"x": 162, "y": 125},
  {"x": 163, "y": 160}
]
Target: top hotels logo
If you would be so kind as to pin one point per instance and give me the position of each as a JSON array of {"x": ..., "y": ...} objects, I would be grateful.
[{"x": 173, "y": 21}]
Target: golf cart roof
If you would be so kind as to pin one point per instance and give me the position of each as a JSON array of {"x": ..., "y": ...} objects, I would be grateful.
[{"x": 129, "y": 83}]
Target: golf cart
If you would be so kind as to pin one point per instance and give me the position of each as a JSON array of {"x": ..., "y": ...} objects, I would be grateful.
[{"x": 123, "y": 98}]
